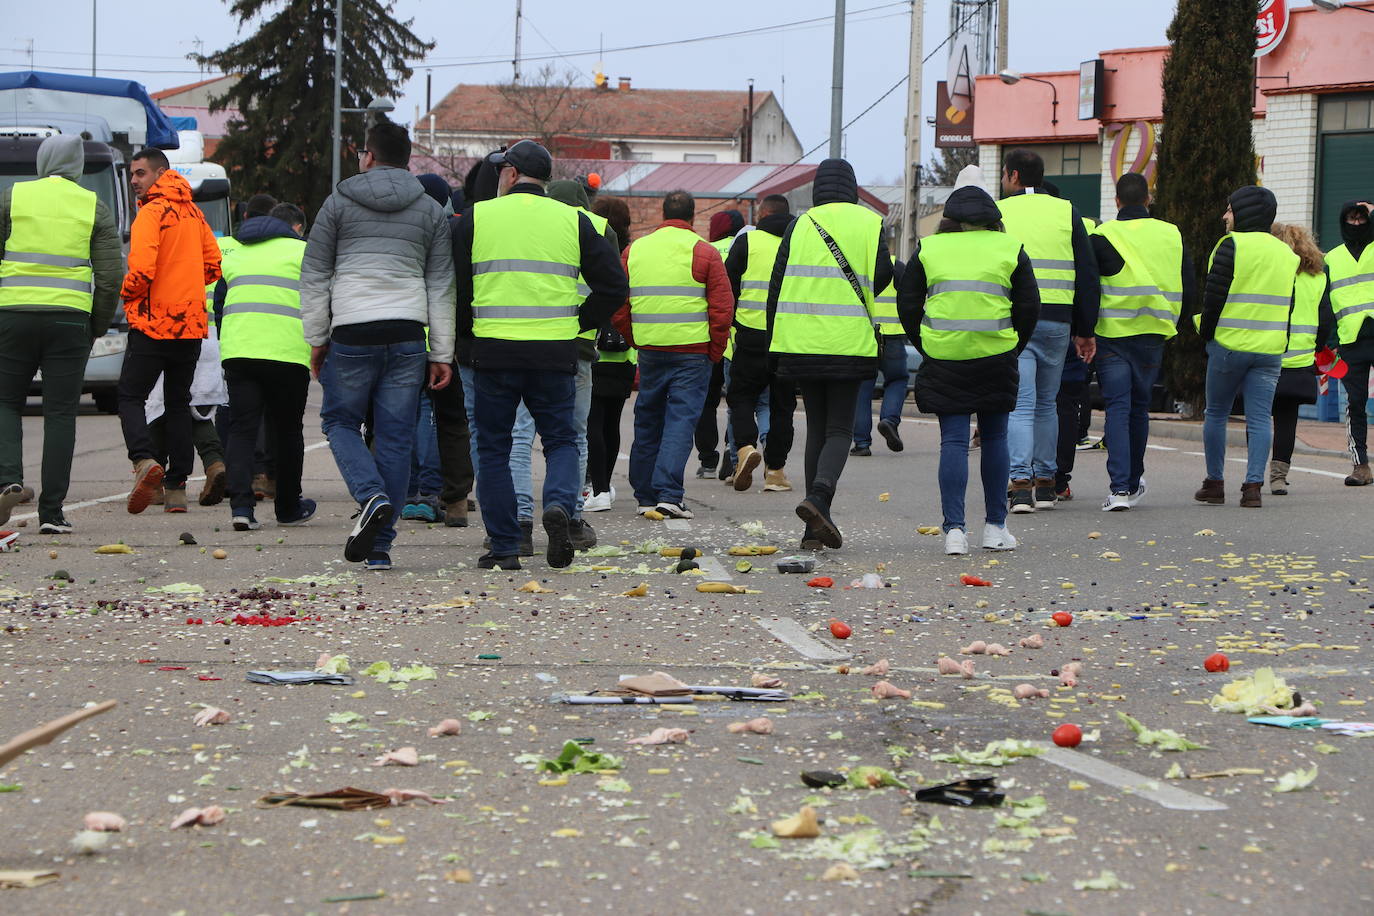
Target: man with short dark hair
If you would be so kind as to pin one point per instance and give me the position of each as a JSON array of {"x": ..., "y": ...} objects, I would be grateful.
[
  {"x": 377, "y": 270},
  {"x": 678, "y": 315},
  {"x": 518, "y": 259},
  {"x": 173, "y": 257},
  {"x": 59, "y": 284},
  {"x": 1066, "y": 273},
  {"x": 1147, "y": 280},
  {"x": 749, "y": 265}
]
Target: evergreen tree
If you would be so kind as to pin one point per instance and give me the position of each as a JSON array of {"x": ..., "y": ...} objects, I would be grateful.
[
  {"x": 1207, "y": 149},
  {"x": 945, "y": 165},
  {"x": 281, "y": 141}
]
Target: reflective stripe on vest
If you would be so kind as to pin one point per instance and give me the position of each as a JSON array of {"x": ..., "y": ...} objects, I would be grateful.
[
  {"x": 262, "y": 302},
  {"x": 599, "y": 223},
  {"x": 968, "y": 293},
  {"x": 1044, "y": 225},
  {"x": 526, "y": 252},
  {"x": 1352, "y": 290},
  {"x": 47, "y": 260},
  {"x": 751, "y": 311},
  {"x": 667, "y": 306},
  {"x": 885, "y": 308},
  {"x": 1302, "y": 332},
  {"x": 818, "y": 311},
  {"x": 1255, "y": 316},
  {"x": 1146, "y": 296}
]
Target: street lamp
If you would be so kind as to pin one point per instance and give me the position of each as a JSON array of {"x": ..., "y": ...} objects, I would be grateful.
[
  {"x": 378, "y": 106},
  {"x": 1330, "y": 6},
  {"x": 1012, "y": 77}
]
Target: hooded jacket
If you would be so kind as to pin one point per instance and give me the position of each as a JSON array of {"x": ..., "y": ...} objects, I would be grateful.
[
  {"x": 1356, "y": 239},
  {"x": 251, "y": 231},
  {"x": 1253, "y": 209},
  {"x": 990, "y": 382},
  {"x": 379, "y": 251},
  {"x": 173, "y": 256},
  {"x": 834, "y": 183},
  {"x": 64, "y": 156}
]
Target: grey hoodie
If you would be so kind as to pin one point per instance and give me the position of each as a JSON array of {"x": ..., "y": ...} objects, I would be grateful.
[
  {"x": 64, "y": 156},
  {"x": 379, "y": 250}
]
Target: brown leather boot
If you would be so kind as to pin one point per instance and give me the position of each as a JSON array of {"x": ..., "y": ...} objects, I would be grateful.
[
  {"x": 1212, "y": 492},
  {"x": 212, "y": 493},
  {"x": 1360, "y": 476},
  {"x": 1250, "y": 495},
  {"x": 147, "y": 480}
]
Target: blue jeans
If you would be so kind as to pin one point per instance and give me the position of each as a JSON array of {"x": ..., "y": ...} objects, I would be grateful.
[
  {"x": 672, "y": 391},
  {"x": 892, "y": 363},
  {"x": 582, "y": 406},
  {"x": 425, "y": 477},
  {"x": 549, "y": 398},
  {"x": 469, "y": 399},
  {"x": 522, "y": 462},
  {"x": 387, "y": 378},
  {"x": 993, "y": 463},
  {"x": 1033, "y": 430},
  {"x": 1126, "y": 371},
  {"x": 1253, "y": 375}
]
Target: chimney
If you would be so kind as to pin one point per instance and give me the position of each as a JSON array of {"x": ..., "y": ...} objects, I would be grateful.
[{"x": 624, "y": 84}]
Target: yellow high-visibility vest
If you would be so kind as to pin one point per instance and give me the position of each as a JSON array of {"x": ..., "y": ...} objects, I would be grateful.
[
  {"x": 47, "y": 260},
  {"x": 526, "y": 257},
  {"x": 262, "y": 302},
  {"x": 968, "y": 294},
  {"x": 1352, "y": 290},
  {"x": 1255, "y": 316},
  {"x": 667, "y": 305},
  {"x": 1044, "y": 225},
  {"x": 1146, "y": 296},
  {"x": 1302, "y": 328}
]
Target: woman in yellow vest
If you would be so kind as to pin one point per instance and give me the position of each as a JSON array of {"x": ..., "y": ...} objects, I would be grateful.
[
  {"x": 969, "y": 302},
  {"x": 831, "y": 264},
  {"x": 1246, "y": 306},
  {"x": 1311, "y": 326}
]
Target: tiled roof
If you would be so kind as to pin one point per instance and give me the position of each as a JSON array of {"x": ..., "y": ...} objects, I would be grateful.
[
  {"x": 177, "y": 90},
  {"x": 604, "y": 113}
]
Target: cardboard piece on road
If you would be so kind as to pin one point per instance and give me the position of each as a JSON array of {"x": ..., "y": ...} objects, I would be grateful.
[
  {"x": 658, "y": 684},
  {"x": 41, "y": 735},
  {"x": 345, "y": 799},
  {"x": 26, "y": 878}
]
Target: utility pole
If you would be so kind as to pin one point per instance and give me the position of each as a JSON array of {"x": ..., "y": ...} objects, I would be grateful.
[
  {"x": 93, "y": 21},
  {"x": 911, "y": 185},
  {"x": 338, "y": 91},
  {"x": 516, "y": 61},
  {"x": 1003, "y": 29},
  {"x": 837, "y": 83}
]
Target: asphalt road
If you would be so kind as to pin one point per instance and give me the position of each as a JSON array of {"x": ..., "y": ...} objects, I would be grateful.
[{"x": 685, "y": 828}]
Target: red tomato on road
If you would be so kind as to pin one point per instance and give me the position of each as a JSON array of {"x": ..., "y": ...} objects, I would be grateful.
[
  {"x": 1063, "y": 618},
  {"x": 839, "y": 629},
  {"x": 1067, "y": 735},
  {"x": 1217, "y": 662}
]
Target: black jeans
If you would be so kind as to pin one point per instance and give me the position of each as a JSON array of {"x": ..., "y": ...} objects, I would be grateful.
[
  {"x": 603, "y": 439},
  {"x": 1069, "y": 402},
  {"x": 749, "y": 376},
  {"x": 455, "y": 441},
  {"x": 1285, "y": 412},
  {"x": 707, "y": 435},
  {"x": 829, "y": 407},
  {"x": 175, "y": 360},
  {"x": 1356, "y": 384},
  {"x": 275, "y": 390}
]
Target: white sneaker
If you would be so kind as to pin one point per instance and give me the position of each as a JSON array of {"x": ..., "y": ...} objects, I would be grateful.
[
  {"x": 674, "y": 510},
  {"x": 1117, "y": 502},
  {"x": 597, "y": 502},
  {"x": 643, "y": 509},
  {"x": 1138, "y": 494},
  {"x": 997, "y": 537},
  {"x": 586, "y": 492},
  {"x": 956, "y": 542}
]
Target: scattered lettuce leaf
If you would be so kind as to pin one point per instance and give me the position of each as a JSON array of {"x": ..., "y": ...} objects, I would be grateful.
[
  {"x": 995, "y": 754},
  {"x": 574, "y": 759},
  {"x": 1105, "y": 881},
  {"x": 1254, "y": 695},
  {"x": 1296, "y": 779},
  {"x": 1166, "y": 739}
]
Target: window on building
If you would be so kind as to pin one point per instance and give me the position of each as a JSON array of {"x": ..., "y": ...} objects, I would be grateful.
[
  {"x": 1345, "y": 148},
  {"x": 698, "y": 157}
]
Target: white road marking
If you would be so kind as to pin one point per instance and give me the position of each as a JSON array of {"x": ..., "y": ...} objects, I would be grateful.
[
  {"x": 712, "y": 570},
  {"x": 788, "y": 631},
  {"x": 1155, "y": 790},
  {"x": 677, "y": 524},
  {"x": 1162, "y": 448},
  {"x": 116, "y": 497}
]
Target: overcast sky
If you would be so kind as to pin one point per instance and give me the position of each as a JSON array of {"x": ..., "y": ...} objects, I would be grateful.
[{"x": 795, "y": 63}]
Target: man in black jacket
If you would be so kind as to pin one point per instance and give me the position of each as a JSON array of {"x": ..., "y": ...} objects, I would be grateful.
[{"x": 752, "y": 257}]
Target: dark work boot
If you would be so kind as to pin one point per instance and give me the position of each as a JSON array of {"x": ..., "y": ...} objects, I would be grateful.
[
  {"x": 1212, "y": 492},
  {"x": 526, "y": 537},
  {"x": 583, "y": 537},
  {"x": 1250, "y": 495}
]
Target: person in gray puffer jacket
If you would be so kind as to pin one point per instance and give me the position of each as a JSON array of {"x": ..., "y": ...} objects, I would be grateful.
[{"x": 378, "y": 272}]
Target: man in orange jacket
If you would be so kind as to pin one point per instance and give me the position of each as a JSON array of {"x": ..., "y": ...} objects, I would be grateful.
[{"x": 173, "y": 256}]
